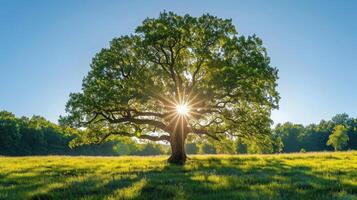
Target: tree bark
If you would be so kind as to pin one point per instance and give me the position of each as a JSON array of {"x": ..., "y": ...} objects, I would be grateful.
[{"x": 178, "y": 152}]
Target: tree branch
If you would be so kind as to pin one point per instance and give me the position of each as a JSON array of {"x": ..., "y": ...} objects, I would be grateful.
[
  {"x": 204, "y": 132},
  {"x": 146, "y": 137},
  {"x": 151, "y": 122},
  {"x": 198, "y": 67}
]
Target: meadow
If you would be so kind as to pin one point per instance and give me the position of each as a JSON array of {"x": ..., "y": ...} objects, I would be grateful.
[{"x": 284, "y": 176}]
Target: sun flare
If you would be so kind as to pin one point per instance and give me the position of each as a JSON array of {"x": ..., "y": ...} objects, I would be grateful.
[{"x": 182, "y": 109}]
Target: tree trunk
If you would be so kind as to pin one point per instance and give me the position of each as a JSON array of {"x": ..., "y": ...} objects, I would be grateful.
[{"x": 178, "y": 153}]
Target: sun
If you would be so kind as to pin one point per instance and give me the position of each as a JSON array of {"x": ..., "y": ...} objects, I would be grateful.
[{"x": 182, "y": 109}]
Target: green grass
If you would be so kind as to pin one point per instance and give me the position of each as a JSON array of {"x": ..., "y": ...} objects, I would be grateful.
[{"x": 286, "y": 176}]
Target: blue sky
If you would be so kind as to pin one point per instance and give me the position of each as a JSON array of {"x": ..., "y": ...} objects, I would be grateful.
[{"x": 46, "y": 48}]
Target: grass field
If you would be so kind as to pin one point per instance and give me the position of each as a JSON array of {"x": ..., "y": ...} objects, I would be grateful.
[{"x": 286, "y": 176}]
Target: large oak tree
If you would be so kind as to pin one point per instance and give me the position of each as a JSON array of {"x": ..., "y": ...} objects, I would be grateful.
[{"x": 176, "y": 76}]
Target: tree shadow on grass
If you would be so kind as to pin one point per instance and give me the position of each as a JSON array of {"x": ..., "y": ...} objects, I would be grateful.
[
  {"x": 214, "y": 179},
  {"x": 211, "y": 178}
]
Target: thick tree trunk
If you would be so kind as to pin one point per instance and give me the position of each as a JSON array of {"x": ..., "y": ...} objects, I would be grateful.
[{"x": 178, "y": 153}]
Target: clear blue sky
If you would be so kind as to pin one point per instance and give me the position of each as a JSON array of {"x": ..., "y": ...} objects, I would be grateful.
[{"x": 46, "y": 48}]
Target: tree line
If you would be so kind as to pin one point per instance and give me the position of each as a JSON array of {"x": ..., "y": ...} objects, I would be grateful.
[
  {"x": 20, "y": 136},
  {"x": 38, "y": 136},
  {"x": 339, "y": 133}
]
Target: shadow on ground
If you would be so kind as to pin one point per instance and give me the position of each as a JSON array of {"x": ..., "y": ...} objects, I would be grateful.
[{"x": 211, "y": 178}]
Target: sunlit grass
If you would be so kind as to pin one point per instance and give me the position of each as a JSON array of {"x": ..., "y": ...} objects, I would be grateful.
[{"x": 285, "y": 176}]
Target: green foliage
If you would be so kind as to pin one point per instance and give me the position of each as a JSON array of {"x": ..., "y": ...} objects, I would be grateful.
[
  {"x": 322, "y": 176},
  {"x": 289, "y": 134},
  {"x": 37, "y": 136},
  {"x": 339, "y": 138},
  {"x": 314, "y": 137},
  {"x": 277, "y": 143},
  {"x": 9, "y": 133},
  {"x": 133, "y": 84}
]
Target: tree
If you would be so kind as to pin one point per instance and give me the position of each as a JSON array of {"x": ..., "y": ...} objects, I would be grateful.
[
  {"x": 289, "y": 134},
  {"x": 175, "y": 76},
  {"x": 277, "y": 143},
  {"x": 9, "y": 133},
  {"x": 339, "y": 138},
  {"x": 341, "y": 119}
]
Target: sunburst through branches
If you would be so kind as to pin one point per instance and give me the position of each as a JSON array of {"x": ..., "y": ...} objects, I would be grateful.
[{"x": 182, "y": 109}]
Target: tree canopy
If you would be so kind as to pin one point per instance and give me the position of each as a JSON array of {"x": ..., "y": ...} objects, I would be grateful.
[{"x": 137, "y": 86}]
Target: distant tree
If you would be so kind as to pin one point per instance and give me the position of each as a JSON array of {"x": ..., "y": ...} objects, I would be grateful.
[
  {"x": 339, "y": 138},
  {"x": 314, "y": 136},
  {"x": 206, "y": 148},
  {"x": 151, "y": 149},
  {"x": 241, "y": 147},
  {"x": 277, "y": 144},
  {"x": 352, "y": 135},
  {"x": 192, "y": 148},
  {"x": 125, "y": 148},
  {"x": 177, "y": 75},
  {"x": 289, "y": 134},
  {"x": 9, "y": 133},
  {"x": 341, "y": 119}
]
